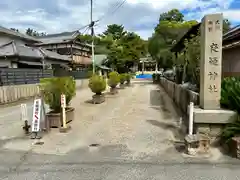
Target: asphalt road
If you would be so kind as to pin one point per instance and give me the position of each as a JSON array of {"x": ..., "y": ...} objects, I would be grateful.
[{"x": 113, "y": 170}]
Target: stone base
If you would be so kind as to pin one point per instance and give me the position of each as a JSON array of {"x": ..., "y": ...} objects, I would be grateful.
[
  {"x": 64, "y": 130},
  {"x": 113, "y": 91},
  {"x": 55, "y": 120},
  {"x": 122, "y": 86},
  {"x": 191, "y": 144},
  {"x": 211, "y": 122},
  {"x": 98, "y": 99},
  {"x": 197, "y": 144}
]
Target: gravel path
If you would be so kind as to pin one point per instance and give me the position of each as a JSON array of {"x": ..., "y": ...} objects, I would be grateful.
[{"x": 134, "y": 119}]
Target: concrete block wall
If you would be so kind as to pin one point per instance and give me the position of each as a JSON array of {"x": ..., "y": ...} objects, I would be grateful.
[
  {"x": 9, "y": 94},
  {"x": 210, "y": 122},
  {"x": 180, "y": 95}
]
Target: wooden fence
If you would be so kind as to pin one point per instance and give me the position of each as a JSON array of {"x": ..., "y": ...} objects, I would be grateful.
[
  {"x": 11, "y": 76},
  {"x": 83, "y": 74}
]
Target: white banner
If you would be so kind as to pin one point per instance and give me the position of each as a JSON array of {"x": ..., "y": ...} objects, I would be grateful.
[{"x": 37, "y": 107}]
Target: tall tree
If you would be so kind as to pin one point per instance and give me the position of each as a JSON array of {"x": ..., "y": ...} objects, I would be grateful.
[
  {"x": 32, "y": 32},
  {"x": 14, "y": 29},
  {"x": 172, "y": 15},
  {"x": 117, "y": 31},
  {"x": 170, "y": 29},
  {"x": 226, "y": 25}
]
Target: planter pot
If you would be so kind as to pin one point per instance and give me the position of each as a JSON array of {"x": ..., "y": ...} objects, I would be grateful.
[
  {"x": 234, "y": 147},
  {"x": 55, "y": 119},
  {"x": 122, "y": 86},
  {"x": 113, "y": 90},
  {"x": 98, "y": 99},
  {"x": 128, "y": 83}
]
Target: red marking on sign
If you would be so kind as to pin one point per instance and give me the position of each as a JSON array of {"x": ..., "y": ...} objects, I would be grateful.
[{"x": 36, "y": 117}]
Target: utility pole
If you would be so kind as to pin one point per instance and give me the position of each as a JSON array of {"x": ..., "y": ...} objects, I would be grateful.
[{"x": 92, "y": 33}]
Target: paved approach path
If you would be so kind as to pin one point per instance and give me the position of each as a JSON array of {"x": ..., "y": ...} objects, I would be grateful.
[{"x": 137, "y": 134}]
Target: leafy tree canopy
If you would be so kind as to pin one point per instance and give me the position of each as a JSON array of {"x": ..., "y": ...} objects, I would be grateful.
[
  {"x": 115, "y": 30},
  {"x": 32, "y": 32}
]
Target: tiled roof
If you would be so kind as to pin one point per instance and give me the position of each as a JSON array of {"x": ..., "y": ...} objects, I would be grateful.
[
  {"x": 58, "y": 38},
  {"x": 18, "y": 34},
  {"x": 54, "y": 55},
  {"x": 67, "y": 35},
  {"x": 12, "y": 49},
  {"x": 235, "y": 31}
]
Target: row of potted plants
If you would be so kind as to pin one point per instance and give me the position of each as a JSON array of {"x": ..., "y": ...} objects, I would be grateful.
[
  {"x": 52, "y": 88},
  {"x": 98, "y": 84}
]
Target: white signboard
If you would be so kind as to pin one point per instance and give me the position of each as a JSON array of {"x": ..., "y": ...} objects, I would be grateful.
[
  {"x": 63, "y": 100},
  {"x": 37, "y": 106},
  {"x": 24, "y": 114}
]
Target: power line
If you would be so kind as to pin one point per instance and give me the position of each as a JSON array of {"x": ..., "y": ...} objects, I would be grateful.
[
  {"x": 92, "y": 23},
  {"x": 83, "y": 27},
  {"x": 112, "y": 12}
]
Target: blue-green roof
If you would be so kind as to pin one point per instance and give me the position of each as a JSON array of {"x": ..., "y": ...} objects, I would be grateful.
[
  {"x": 99, "y": 59},
  {"x": 104, "y": 67}
]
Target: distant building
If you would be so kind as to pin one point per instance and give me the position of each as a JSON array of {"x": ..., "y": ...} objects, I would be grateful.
[
  {"x": 100, "y": 61},
  {"x": 15, "y": 52},
  {"x": 67, "y": 43}
]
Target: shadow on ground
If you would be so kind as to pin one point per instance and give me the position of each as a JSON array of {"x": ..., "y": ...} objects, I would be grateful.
[
  {"x": 89, "y": 101},
  {"x": 142, "y": 83},
  {"x": 162, "y": 125},
  {"x": 158, "y": 102},
  {"x": 178, "y": 145}
]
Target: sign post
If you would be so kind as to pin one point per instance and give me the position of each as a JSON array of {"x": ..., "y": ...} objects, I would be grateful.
[
  {"x": 63, "y": 106},
  {"x": 24, "y": 112},
  {"x": 24, "y": 118}
]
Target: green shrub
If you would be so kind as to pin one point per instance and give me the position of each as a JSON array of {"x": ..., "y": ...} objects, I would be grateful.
[
  {"x": 52, "y": 88},
  {"x": 230, "y": 93},
  {"x": 89, "y": 73},
  {"x": 158, "y": 76},
  {"x": 122, "y": 78},
  {"x": 154, "y": 77},
  {"x": 97, "y": 84},
  {"x": 230, "y": 98},
  {"x": 128, "y": 77},
  {"x": 231, "y": 130},
  {"x": 133, "y": 74},
  {"x": 114, "y": 79}
]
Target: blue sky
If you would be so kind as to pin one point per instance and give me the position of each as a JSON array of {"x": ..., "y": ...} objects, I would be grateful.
[{"x": 141, "y": 16}]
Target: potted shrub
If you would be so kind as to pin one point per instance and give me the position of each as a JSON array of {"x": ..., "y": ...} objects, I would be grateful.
[
  {"x": 122, "y": 80},
  {"x": 154, "y": 77},
  {"x": 97, "y": 84},
  {"x": 113, "y": 81},
  {"x": 52, "y": 88},
  {"x": 128, "y": 78}
]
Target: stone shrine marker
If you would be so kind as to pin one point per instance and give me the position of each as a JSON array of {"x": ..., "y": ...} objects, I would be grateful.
[{"x": 211, "y": 61}]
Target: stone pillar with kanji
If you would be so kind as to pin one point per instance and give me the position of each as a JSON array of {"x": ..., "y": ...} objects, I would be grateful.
[{"x": 211, "y": 61}]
